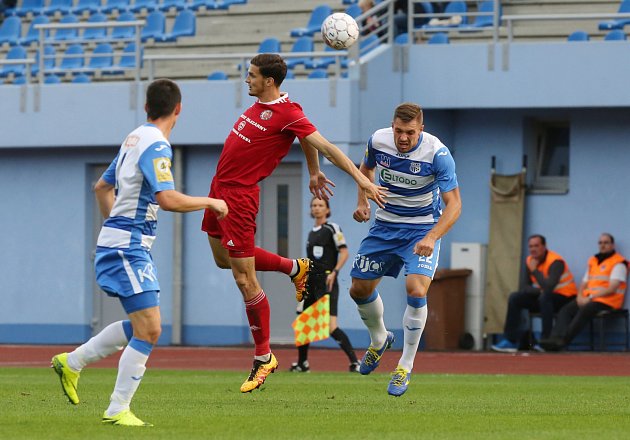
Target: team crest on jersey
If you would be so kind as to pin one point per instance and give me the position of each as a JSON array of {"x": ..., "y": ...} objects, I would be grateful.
[
  {"x": 383, "y": 160},
  {"x": 162, "y": 168},
  {"x": 415, "y": 167},
  {"x": 132, "y": 141},
  {"x": 266, "y": 115},
  {"x": 241, "y": 125}
]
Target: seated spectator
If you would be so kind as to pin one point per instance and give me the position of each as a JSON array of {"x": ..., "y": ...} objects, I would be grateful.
[
  {"x": 371, "y": 23},
  {"x": 549, "y": 287},
  {"x": 400, "y": 15},
  {"x": 603, "y": 288}
]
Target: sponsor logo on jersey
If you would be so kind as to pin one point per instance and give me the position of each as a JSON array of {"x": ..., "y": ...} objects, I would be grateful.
[
  {"x": 131, "y": 141},
  {"x": 442, "y": 153},
  {"x": 415, "y": 167},
  {"x": 162, "y": 168},
  {"x": 266, "y": 115},
  {"x": 230, "y": 243},
  {"x": 161, "y": 147},
  {"x": 146, "y": 273},
  {"x": 383, "y": 160},
  {"x": 241, "y": 125},
  {"x": 364, "y": 264},
  {"x": 388, "y": 177}
]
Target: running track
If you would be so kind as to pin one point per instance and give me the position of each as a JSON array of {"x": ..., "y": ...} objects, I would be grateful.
[{"x": 240, "y": 358}]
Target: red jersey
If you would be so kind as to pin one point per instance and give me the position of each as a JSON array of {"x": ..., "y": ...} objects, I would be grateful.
[{"x": 259, "y": 140}]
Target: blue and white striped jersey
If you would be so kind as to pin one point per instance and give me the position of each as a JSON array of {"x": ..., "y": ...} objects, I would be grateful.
[
  {"x": 414, "y": 179},
  {"x": 141, "y": 169}
]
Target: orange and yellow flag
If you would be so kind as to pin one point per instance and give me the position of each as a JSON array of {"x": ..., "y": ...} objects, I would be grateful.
[{"x": 313, "y": 324}]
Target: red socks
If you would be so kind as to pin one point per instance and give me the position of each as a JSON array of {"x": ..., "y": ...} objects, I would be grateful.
[
  {"x": 269, "y": 262},
  {"x": 257, "y": 310}
]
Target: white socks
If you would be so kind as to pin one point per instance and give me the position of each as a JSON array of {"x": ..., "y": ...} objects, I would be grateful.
[
  {"x": 111, "y": 339},
  {"x": 371, "y": 312},
  {"x": 414, "y": 321},
  {"x": 130, "y": 371}
]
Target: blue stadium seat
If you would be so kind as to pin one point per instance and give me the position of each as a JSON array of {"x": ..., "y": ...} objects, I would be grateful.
[
  {"x": 454, "y": 8},
  {"x": 624, "y": 8},
  {"x": 323, "y": 62},
  {"x": 615, "y": 35},
  {"x": 62, "y": 6},
  {"x": 81, "y": 78},
  {"x": 353, "y": 10},
  {"x": 154, "y": 27},
  {"x": 67, "y": 34},
  {"x": 579, "y": 36},
  {"x": 172, "y": 4},
  {"x": 52, "y": 79},
  {"x": 91, "y": 6},
  {"x": 33, "y": 6},
  {"x": 10, "y": 30},
  {"x": 486, "y": 6},
  {"x": 318, "y": 74},
  {"x": 314, "y": 23},
  {"x": 19, "y": 80},
  {"x": 124, "y": 32},
  {"x": 302, "y": 44},
  {"x": 270, "y": 45},
  {"x": 32, "y": 35},
  {"x": 184, "y": 26},
  {"x": 15, "y": 53},
  {"x": 96, "y": 33},
  {"x": 349, "y": 2},
  {"x": 402, "y": 39},
  {"x": 73, "y": 58},
  {"x": 49, "y": 60},
  {"x": 127, "y": 60},
  {"x": 148, "y": 5},
  {"x": 102, "y": 57},
  {"x": 366, "y": 45},
  {"x": 217, "y": 75},
  {"x": 209, "y": 5},
  {"x": 439, "y": 38},
  {"x": 115, "y": 5},
  {"x": 290, "y": 75}
]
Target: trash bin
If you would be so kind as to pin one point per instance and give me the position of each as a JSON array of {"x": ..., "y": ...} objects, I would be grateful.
[{"x": 446, "y": 300}]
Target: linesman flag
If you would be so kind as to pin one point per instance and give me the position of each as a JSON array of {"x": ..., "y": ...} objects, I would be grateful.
[{"x": 313, "y": 324}]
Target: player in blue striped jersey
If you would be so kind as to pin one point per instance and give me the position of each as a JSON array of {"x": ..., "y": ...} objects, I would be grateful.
[
  {"x": 423, "y": 203},
  {"x": 137, "y": 182}
]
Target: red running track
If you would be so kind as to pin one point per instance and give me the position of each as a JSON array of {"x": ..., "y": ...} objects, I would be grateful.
[{"x": 240, "y": 358}]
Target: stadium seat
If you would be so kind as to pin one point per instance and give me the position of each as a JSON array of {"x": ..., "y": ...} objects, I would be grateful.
[
  {"x": 167, "y": 5},
  {"x": 486, "y": 6},
  {"x": 33, "y": 6},
  {"x": 290, "y": 75},
  {"x": 124, "y": 32},
  {"x": 453, "y": 9},
  {"x": 148, "y": 5},
  {"x": 579, "y": 36},
  {"x": 217, "y": 75},
  {"x": 354, "y": 10},
  {"x": 49, "y": 60},
  {"x": 73, "y": 58},
  {"x": 10, "y": 30},
  {"x": 52, "y": 79},
  {"x": 127, "y": 60},
  {"x": 323, "y": 62},
  {"x": 115, "y": 5},
  {"x": 368, "y": 44},
  {"x": 154, "y": 27},
  {"x": 184, "y": 26},
  {"x": 91, "y": 6},
  {"x": 615, "y": 35},
  {"x": 315, "y": 22},
  {"x": 81, "y": 78},
  {"x": 349, "y": 2},
  {"x": 102, "y": 57},
  {"x": 607, "y": 25},
  {"x": 96, "y": 33},
  {"x": 15, "y": 53},
  {"x": 401, "y": 39},
  {"x": 67, "y": 34},
  {"x": 318, "y": 74},
  {"x": 439, "y": 38},
  {"x": 270, "y": 45},
  {"x": 61, "y": 6},
  {"x": 32, "y": 35},
  {"x": 209, "y": 5},
  {"x": 302, "y": 44},
  {"x": 19, "y": 80}
]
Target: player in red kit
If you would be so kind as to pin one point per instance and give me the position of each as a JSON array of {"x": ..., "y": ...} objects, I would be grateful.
[{"x": 259, "y": 140}]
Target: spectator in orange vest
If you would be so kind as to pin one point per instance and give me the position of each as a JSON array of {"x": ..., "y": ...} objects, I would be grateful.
[
  {"x": 603, "y": 288},
  {"x": 549, "y": 287}
]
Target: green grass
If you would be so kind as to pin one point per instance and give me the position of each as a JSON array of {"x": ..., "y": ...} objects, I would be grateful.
[{"x": 208, "y": 405}]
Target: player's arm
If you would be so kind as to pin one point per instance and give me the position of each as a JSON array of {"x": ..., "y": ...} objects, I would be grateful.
[
  {"x": 104, "y": 196},
  {"x": 318, "y": 182},
  {"x": 450, "y": 214},
  {"x": 172, "y": 200},
  {"x": 362, "y": 213},
  {"x": 341, "y": 161}
]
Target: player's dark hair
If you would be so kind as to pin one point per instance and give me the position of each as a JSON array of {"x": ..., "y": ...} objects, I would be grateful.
[
  {"x": 543, "y": 240},
  {"x": 162, "y": 97},
  {"x": 408, "y": 111},
  {"x": 271, "y": 65},
  {"x": 612, "y": 239},
  {"x": 327, "y": 206}
]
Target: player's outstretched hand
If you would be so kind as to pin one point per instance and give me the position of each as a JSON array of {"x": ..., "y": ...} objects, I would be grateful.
[
  {"x": 376, "y": 193},
  {"x": 219, "y": 207},
  {"x": 319, "y": 186},
  {"x": 362, "y": 214}
]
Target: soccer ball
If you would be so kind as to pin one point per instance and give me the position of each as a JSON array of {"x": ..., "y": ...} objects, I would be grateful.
[{"x": 340, "y": 31}]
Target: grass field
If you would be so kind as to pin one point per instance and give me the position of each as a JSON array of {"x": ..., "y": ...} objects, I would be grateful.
[{"x": 208, "y": 405}]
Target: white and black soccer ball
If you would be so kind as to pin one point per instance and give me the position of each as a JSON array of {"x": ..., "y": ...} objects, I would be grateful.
[{"x": 340, "y": 31}]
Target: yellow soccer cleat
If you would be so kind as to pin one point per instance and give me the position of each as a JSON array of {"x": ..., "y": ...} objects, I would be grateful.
[
  {"x": 259, "y": 373},
  {"x": 300, "y": 279},
  {"x": 68, "y": 377},
  {"x": 124, "y": 418}
]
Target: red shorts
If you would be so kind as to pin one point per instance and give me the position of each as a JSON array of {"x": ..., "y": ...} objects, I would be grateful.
[{"x": 238, "y": 229}]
